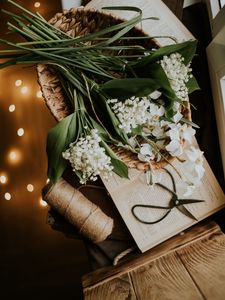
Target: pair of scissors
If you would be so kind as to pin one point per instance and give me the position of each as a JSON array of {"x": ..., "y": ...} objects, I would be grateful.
[{"x": 175, "y": 202}]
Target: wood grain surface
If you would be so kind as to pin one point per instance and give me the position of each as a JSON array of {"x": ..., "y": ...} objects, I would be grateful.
[
  {"x": 188, "y": 266},
  {"x": 164, "y": 278},
  {"x": 119, "y": 288},
  {"x": 205, "y": 262},
  {"x": 190, "y": 236}
]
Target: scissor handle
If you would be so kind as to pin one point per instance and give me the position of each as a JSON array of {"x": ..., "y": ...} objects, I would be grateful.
[{"x": 150, "y": 206}]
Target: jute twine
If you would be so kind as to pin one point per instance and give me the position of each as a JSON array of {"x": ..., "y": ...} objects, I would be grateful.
[{"x": 87, "y": 217}]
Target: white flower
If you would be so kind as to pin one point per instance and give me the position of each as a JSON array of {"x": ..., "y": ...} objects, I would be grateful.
[
  {"x": 156, "y": 111},
  {"x": 155, "y": 95},
  {"x": 136, "y": 112},
  {"x": 195, "y": 161},
  {"x": 146, "y": 153},
  {"x": 153, "y": 125},
  {"x": 88, "y": 158},
  {"x": 158, "y": 131},
  {"x": 193, "y": 171},
  {"x": 176, "y": 106},
  {"x": 177, "y": 117},
  {"x": 165, "y": 124},
  {"x": 187, "y": 187},
  {"x": 131, "y": 112},
  {"x": 178, "y": 74},
  {"x": 178, "y": 134},
  {"x": 189, "y": 183},
  {"x": 175, "y": 148}
]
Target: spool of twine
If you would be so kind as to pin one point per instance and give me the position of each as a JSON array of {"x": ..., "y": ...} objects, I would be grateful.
[{"x": 87, "y": 217}]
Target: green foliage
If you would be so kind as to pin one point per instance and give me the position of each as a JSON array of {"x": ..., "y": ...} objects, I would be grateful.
[
  {"x": 93, "y": 68},
  {"x": 59, "y": 138},
  {"x": 128, "y": 87}
]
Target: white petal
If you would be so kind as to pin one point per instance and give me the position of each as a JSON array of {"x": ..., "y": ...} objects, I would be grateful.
[
  {"x": 153, "y": 109},
  {"x": 194, "y": 154},
  {"x": 176, "y": 106},
  {"x": 158, "y": 131},
  {"x": 177, "y": 117},
  {"x": 174, "y": 148},
  {"x": 145, "y": 149},
  {"x": 161, "y": 111},
  {"x": 174, "y": 134},
  {"x": 188, "y": 134},
  {"x": 189, "y": 190},
  {"x": 143, "y": 158},
  {"x": 200, "y": 171},
  {"x": 155, "y": 95}
]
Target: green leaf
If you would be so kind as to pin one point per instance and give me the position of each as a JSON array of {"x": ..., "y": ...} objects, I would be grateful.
[
  {"x": 192, "y": 85},
  {"x": 186, "y": 49},
  {"x": 102, "y": 132},
  {"x": 116, "y": 123},
  {"x": 128, "y": 87},
  {"x": 189, "y": 122},
  {"x": 169, "y": 113},
  {"x": 137, "y": 130},
  {"x": 59, "y": 138},
  {"x": 156, "y": 72},
  {"x": 110, "y": 116},
  {"x": 119, "y": 167}
]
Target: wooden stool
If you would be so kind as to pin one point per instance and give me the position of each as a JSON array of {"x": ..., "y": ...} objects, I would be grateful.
[{"x": 188, "y": 266}]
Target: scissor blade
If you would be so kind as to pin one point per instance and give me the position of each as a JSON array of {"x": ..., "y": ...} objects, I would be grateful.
[
  {"x": 186, "y": 212},
  {"x": 189, "y": 201}
]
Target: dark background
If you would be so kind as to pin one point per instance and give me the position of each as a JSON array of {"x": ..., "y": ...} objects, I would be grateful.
[{"x": 36, "y": 262}]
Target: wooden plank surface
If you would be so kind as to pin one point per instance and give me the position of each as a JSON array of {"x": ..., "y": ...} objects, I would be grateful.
[
  {"x": 119, "y": 288},
  {"x": 164, "y": 278},
  {"x": 205, "y": 262},
  {"x": 189, "y": 266},
  {"x": 190, "y": 236}
]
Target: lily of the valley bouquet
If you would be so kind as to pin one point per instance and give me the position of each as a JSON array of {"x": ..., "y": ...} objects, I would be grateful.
[{"x": 127, "y": 95}]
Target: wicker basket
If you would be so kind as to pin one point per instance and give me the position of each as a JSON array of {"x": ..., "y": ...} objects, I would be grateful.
[{"x": 77, "y": 22}]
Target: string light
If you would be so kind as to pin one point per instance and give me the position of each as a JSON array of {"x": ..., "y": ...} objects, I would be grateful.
[
  {"x": 20, "y": 132},
  {"x": 48, "y": 180},
  {"x": 30, "y": 188},
  {"x": 7, "y": 196},
  {"x": 14, "y": 156},
  {"x": 43, "y": 203},
  {"x": 24, "y": 90},
  {"x": 18, "y": 82},
  {"x": 39, "y": 94},
  {"x": 37, "y": 4},
  {"x": 3, "y": 179},
  {"x": 12, "y": 108}
]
